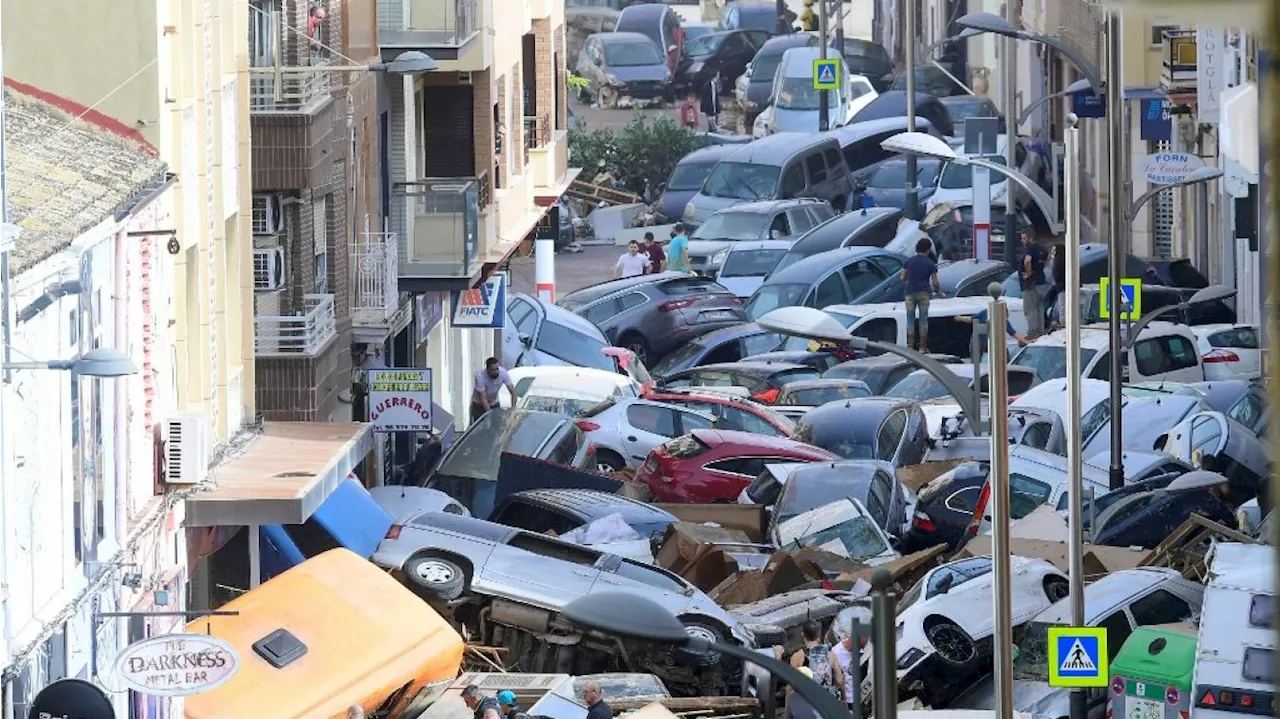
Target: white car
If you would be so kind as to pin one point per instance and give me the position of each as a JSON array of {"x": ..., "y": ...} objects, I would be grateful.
[
  {"x": 843, "y": 527},
  {"x": 945, "y": 622},
  {"x": 1229, "y": 351},
  {"x": 744, "y": 265},
  {"x": 1163, "y": 351},
  {"x": 625, "y": 430},
  {"x": 537, "y": 333},
  {"x": 955, "y": 182},
  {"x": 567, "y": 390}
]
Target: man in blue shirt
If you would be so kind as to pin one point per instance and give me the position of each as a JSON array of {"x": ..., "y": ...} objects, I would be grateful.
[
  {"x": 981, "y": 319},
  {"x": 678, "y": 250},
  {"x": 921, "y": 275}
]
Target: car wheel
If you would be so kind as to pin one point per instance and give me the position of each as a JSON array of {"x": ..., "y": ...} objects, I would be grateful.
[
  {"x": 607, "y": 461},
  {"x": 953, "y": 644},
  {"x": 1056, "y": 588},
  {"x": 701, "y": 630},
  {"x": 436, "y": 577},
  {"x": 636, "y": 344}
]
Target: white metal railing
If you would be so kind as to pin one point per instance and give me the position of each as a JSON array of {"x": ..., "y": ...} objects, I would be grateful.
[
  {"x": 290, "y": 90},
  {"x": 375, "y": 267},
  {"x": 302, "y": 335}
]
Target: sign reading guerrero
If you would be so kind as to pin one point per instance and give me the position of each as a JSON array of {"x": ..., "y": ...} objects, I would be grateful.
[
  {"x": 177, "y": 665},
  {"x": 400, "y": 400}
]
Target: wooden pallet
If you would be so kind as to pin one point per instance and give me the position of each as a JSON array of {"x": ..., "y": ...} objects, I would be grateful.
[
  {"x": 1184, "y": 549},
  {"x": 597, "y": 194}
]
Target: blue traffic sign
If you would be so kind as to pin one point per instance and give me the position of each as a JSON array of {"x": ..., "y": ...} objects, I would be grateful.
[
  {"x": 826, "y": 74},
  {"x": 1130, "y": 291},
  {"x": 1078, "y": 657}
]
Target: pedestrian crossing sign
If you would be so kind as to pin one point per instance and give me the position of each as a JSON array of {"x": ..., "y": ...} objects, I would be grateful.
[
  {"x": 1078, "y": 657},
  {"x": 826, "y": 74},
  {"x": 1130, "y": 289}
]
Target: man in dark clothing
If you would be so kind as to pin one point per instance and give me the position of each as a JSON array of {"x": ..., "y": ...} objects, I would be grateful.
[
  {"x": 921, "y": 275},
  {"x": 711, "y": 102},
  {"x": 981, "y": 319},
  {"x": 1034, "y": 284},
  {"x": 482, "y": 707},
  {"x": 596, "y": 707},
  {"x": 656, "y": 255}
]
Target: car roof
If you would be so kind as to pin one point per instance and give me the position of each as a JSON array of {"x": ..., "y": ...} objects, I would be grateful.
[
  {"x": 781, "y": 43},
  {"x": 964, "y": 370},
  {"x": 859, "y": 471},
  {"x": 644, "y": 11},
  {"x": 708, "y": 153},
  {"x": 801, "y": 58},
  {"x": 964, "y": 99},
  {"x": 776, "y": 149},
  {"x": 832, "y": 233},
  {"x": 769, "y": 206},
  {"x": 753, "y": 367},
  {"x": 887, "y": 361},
  {"x": 600, "y": 290},
  {"x": 1109, "y": 592},
  {"x": 863, "y": 405},
  {"x": 621, "y": 37},
  {"x": 596, "y": 504},
  {"x": 725, "y": 334},
  {"x": 860, "y": 129},
  {"x": 961, "y": 269},
  {"x": 766, "y": 443},
  {"x": 814, "y": 266},
  {"x": 561, "y": 316},
  {"x": 748, "y": 245}
]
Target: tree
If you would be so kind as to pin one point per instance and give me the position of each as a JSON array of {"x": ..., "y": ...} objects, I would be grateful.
[{"x": 643, "y": 150}]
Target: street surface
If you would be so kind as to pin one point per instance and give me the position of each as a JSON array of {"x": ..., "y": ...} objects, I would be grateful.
[
  {"x": 595, "y": 118},
  {"x": 573, "y": 270}
]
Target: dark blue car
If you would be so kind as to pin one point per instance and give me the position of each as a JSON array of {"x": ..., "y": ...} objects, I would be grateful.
[
  {"x": 687, "y": 179},
  {"x": 725, "y": 345},
  {"x": 885, "y": 184}
]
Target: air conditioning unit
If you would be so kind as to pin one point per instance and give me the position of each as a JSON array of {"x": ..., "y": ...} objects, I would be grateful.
[
  {"x": 268, "y": 269},
  {"x": 186, "y": 450},
  {"x": 267, "y": 216}
]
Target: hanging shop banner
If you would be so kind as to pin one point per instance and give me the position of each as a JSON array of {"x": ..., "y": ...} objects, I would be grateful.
[
  {"x": 400, "y": 399},
  {"x": 1167, "y": 168},
  {"x": 177, "y": 665},
  {"x": 67, "y": 698},
  {"x": 481, "y": 307},
  {"x": 1157, "y": 119}
]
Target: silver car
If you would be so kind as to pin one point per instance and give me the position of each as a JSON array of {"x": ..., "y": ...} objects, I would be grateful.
[
  {"x": 625, "y": 430},
  {"x": 444, "y": 556}
]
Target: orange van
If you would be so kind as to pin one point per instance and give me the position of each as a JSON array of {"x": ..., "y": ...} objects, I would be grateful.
[{"x": 328, "y": 634}]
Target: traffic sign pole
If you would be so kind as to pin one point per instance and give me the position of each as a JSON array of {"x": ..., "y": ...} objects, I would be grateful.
[
  {"x": 824, "y": 102},
  {"x": 1079, "y": 705}
]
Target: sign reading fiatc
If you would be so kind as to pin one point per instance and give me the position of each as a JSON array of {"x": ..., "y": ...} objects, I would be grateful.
[
  {"x": 176, "y": 665},
  {"x": 399, "y": 400}
]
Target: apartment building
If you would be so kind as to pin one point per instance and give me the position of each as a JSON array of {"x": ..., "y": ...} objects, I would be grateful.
[{"x": 475, "y": 154}]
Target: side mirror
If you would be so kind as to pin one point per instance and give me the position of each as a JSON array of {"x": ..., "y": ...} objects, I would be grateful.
[{"x": 525, "y": 339}]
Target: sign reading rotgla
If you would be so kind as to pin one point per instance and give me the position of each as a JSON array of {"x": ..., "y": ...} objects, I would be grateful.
[
  {"x": 399, "y": 400},
  {"x": 177, "y": 665}
]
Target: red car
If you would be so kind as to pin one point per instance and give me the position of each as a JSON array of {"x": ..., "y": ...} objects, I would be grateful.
[
  {"x": 731, "y": 412},
  {"x": 715, "y": 465}
]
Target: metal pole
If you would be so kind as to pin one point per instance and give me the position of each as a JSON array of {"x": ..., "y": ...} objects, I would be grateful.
[
  {"x": 997, "y": 363},
  {"x": 1009, "y": 87},
  {"x": 824, "y": 99},
  {"x": 1118, "y": 206},
  {"x": 909, "y": 59},
  {"x": 1202, "y": 228},
  {"x": 1075, "y": 382},
  {"x": 884, "y": 655},
  {"x": 780, "y": 7}
]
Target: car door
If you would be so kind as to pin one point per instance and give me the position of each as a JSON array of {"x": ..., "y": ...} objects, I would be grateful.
[
  {"x": 734, "y": 55},
  {"x": 861, "y": 277},
  {"x": 620, "y": 574},
  {"x": 522, "y": 321},
  {"x": 800, "y": 219},
  {"x": 647, "y": 425},
  {"x": 729, "y": 476},
  {"x": 887, "y": 485},
  {"x": 539, "y": 570},
  {"x": 889, "y": 437},
  {"x": 830, "y": 290}
]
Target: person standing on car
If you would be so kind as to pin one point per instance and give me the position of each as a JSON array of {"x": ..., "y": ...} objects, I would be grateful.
[
  {"x": 819, "y": 659},
  {"x": 594, "y": 699},
  {"x": 489, "y": 381},
  {"x": 678, "y": 250},
  {"x": 1034, "y": 285},
  {"x": 844, "y": 653},
  {"x": 921, "y": 274},
  {"x": 482, "y": 707}
]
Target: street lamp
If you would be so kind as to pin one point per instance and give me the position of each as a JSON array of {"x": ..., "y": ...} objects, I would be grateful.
[
  {"x": 101, "y": 363},
  {"x": 1074, "y": 88},
  {"x": 964, "y": 34},
  {"x": 1212, "y": 293},
  {"x": 986, "y": 22},
  {"x": 1197, "y": 176}
]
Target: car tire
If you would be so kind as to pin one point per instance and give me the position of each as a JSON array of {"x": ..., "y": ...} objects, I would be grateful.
[
  {"x": 1056, "y": 589},
  {"x": 953, "y": 645},
  {"x": 436, "y": 577},
  {"x": 636, "y": 343},
  {"x": 705, "y": 630},
  {"x": 609, "y": 461}
]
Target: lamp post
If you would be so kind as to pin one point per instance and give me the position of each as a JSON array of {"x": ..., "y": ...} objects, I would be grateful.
[
  {"x": 1001, "y": 589},
  {"x": 1079, "y": 706},
  {"x": 101, "y": 363},
  {"x": 1075, "y": 88}
]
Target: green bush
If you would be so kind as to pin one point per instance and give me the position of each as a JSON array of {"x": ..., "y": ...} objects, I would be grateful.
[{"x": 646, "y": 149}]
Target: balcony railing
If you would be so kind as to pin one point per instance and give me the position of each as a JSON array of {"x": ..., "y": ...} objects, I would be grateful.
[
  {"x": 291, "y": 89},
  {"x": 302, "y": 335},
  {"x": 537, "y": 131},
  {"x": 1179, "y": 66},
  {"x": 375, "y": 268},
  {"x": 446, "y": 225}
]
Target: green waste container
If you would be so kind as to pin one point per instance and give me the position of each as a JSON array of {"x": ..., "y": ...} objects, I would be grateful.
[{"x": 1151, "y": 675}]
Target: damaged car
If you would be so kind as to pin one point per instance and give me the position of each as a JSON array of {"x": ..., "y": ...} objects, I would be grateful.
[
  {"x": 843, "y": 527},
  {"x": 624, "y": 65}
]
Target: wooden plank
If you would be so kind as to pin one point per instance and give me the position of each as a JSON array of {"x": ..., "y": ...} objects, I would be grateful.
[{"x": 680, "y": 704}]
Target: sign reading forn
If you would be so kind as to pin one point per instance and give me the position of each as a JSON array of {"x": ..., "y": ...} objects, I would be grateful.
[
  {"x": 177, "y": 665},
  {"x": 1166, "y": 168},
  {"x": 399, "y": 399}
]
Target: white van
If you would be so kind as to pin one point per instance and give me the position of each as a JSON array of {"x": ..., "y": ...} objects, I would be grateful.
[
  {"x": 1235, "y": 653},
  {"x": 1164, "y": 352},
  {"x": 794, "y": 105}
]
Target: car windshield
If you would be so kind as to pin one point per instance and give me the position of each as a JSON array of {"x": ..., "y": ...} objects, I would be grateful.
[
  {"x": 631, "y": 54},
  {"x": 573, "y": 347},
  {"x": 911, "y": 597},
  {"x": 770, "y": 297},
  {"x": 689, "y": 176},
  {"x": 814, "y": 396},
  {"x": 804, "y": 344},
  {"x": 797, "y": 93},
  {"x": 804, "y": 493},
  {"x": 750, "y": 263},
  {"x": 764, "y": 67},
  {"x": 856, "y": 538},
  {"x": 893, "y": 175},
  {"x": 742, "y": 181},
  {"x": 703, "y": 46},
  {"x": 476, "y": 454},
  {"x": 1049, "y": 361},
  {"x": 757, "y": 20},
  {"x": 1032, "y": 662},
  {"x": 559, "y": 405},
  {"x": 686, "y": 353},
  {"x": 918, "y": 386},
  {"x": 736, "y": 226},
  {"x": 960, "y": 177}
]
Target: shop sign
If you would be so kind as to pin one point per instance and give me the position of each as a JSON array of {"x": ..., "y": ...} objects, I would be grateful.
[
  {"x": 71, "y": 699},
  {"x": 428, "y": 310},
  {"x": 483, "y": 306},
  {"x": 177, "y": 665},
  {"x": 400, "y": 399},
  {"x": 1167, "y": 168}
]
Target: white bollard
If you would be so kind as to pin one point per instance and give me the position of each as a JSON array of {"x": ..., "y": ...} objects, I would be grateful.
[{"x": 545, "y": 269}]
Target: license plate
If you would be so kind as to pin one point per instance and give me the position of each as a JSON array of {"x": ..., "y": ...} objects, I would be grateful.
[
  {"x": 716, "y": 315},
  {"x": 1138, "y": 708}
]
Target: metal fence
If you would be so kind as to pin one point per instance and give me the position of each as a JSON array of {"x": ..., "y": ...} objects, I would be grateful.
[{"x": 301, "y": 335}]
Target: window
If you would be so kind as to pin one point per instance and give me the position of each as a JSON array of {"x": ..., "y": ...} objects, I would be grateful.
[
  {"x": 1245, "y": 338},
  {"x": 320, "y": 240},
  {"x": 831, "y": 291},
  {"x": 1249, "y": 410},
  {"x": 876, "y": 234},
  {"x": 964, "y": 501},
  {"x": 1159, "y": 607},
  {"x": 632, "y": 300},
  {"x": 522, "y": 316},
  {"x": 835, "y": 161},
  {"x": 779, "y": 227},
  {"x": 1164, "y": 354},
  {"x": 311, "y": 538},
  {"x": 862, "y": 277},
  {"x": 792, "y": 183},
  {"x": 566, "y": 450},
  {"x": 743, "y": 421},
  {"x": 801, "y": 221},
  {"x": 817, "y": 170},
  {"x": 1205, "y": 434},
  {"x": 1101, "y": 370},
  {"x": 745, "y": 466},
  {"x": 1026, "y": 494},
  {"x": 602, "y": 311},
  {"x": 520, "y": 515},
  {"x": 651, "y": 576},
  {"x": 1262, "y": 609},
  {"x": 752, "y": 383},
  {"x": 1118, "y": 630},
  {"x": 879, "y": 498},
  {"x": 1158, "y": 29},
  {"x": 1259, "y": 665},
  {"x": 1037, "y": 435},
  {"x": 889, "y": 264},
  {"x": 547, "y": 547},
  {"x": 690, "y": 422},
  {"x": 711, "y": 378},
  {"x": 759, "y": 344},
  {"x": 882, "y": 329},
  {"x": 890, "y": 435},
  {"x": 1019, "y": 382},
  {"x": 651, "y": 418}
]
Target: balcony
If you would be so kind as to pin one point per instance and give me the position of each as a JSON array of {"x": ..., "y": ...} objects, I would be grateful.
[
  {"x": 1179, "y": 61},
  {"x": 375, "y": 273},
  {"x": 548, "y": 160},
  {"x": 445, "y": 216},
  {"x": 302, "y": 335},
  {"x": 290, "y": 90},
  {"x": 433, "y": 25}
]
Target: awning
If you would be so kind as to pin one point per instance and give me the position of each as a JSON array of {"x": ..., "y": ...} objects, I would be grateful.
[{"x": 283, "y": 475}]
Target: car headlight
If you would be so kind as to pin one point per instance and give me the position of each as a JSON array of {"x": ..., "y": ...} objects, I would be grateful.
[
  {"x": 689, "y": 211},
  {"x": 718, "y": 258},
  {"x": 906, "y": 661}
]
